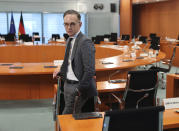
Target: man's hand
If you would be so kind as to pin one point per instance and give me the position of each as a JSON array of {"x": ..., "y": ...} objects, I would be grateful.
[
  {"x": 55, "y": 74},
  {"x": 77, "y": 92}
]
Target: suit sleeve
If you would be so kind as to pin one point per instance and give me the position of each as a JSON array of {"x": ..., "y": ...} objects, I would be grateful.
[{"x": 88, "y": 58}]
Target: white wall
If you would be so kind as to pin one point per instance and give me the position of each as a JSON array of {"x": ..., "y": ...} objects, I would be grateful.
[{"x": 99, "y": 21}]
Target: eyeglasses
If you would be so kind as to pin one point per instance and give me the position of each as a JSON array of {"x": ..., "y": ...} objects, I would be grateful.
[{"x": 72, "y": 24}]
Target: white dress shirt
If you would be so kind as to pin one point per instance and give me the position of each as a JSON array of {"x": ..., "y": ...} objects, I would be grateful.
[{"x": 70, "y": 73}]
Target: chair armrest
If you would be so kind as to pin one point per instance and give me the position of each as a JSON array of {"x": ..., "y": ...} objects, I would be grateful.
[
  {"x": 166, "y": 61},
  {"x": 97, "y": 102},
  {"x": 54, "y": 94},
  {"x": 120, "y": 101}
]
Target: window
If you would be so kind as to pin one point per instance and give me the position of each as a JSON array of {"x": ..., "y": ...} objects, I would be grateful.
[
  {"x": 3, "y": 23},
  {"x": 53, "y": 24}
]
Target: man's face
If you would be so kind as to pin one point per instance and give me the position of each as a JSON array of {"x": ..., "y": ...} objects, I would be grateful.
[{"x": 72, "y": 24}]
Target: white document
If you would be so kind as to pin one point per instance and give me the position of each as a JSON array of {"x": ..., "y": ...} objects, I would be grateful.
[
  {"x": 57, "y": 62},
  {"x": 171, "y": 103}
]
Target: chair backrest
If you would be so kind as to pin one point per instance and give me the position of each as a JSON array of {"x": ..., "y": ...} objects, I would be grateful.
[
  {"x": 107, "y": 35},
  {"x": 98, "y": 39},
  {"x": 143, "y": 119},
  {"x": 141, "y": 89},
  {"x": 171, "y": 59},
  {"x": 35, "y": 33},
  {"x": 65, "y": 35},
  {"x": 152, "y": 35},
  {"x": 25, "y": 37},
  {"x": 143, "y": 39},
  {"x": 155, "y": 43},
  {"x": 36, "y": 36},
  {"x": 55, "y": 36},
  {"x": 10, "y": 37},
  {"x": 113, "y": 37},
  {"x": 93, "y": 39},
  {"x": 125, "y": 37}
]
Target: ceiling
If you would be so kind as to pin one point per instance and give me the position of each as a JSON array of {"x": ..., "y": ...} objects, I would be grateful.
[{"x": 145, "y": 1}]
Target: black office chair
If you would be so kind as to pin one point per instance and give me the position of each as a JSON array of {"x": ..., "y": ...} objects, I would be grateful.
[
  {"x": 10, "y": 37},
  {"x": 152, "y": 35},
  {"x": 55, "y": 36},
  {"x": 113, "y": 37},
  {"x": 36, "y": 36},
  {"x": 26, "y": 38},
  {"x": 143, "y": 39},
  {"x": 107, "y": 36},
  {"x": 98, "y": 39},
  {"x": 140, "y": 91},
  {"x": 125, "y": 37},
  {"x": 93, "y": 39},
  {"x": 143, "y": 119},
  {"x": 65, "y": 35},
  {"x": 163, "y": 70},
  {"x": 155, "y": 43}
]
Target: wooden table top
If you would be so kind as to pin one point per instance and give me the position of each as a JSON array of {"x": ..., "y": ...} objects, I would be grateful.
[
  {"x": 176, "y": 76},
  {"x": 112, "y": 59},
  {"x": 28, "y": 68},
  {"x": 105, "y": 86},
  {"x": 79, "y": 125},
  {"x": 118, "y": 62},
  {"x": 170, "y": 120}
]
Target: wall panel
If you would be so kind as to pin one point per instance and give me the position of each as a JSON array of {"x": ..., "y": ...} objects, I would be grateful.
[{"x": 161, "y": 18}]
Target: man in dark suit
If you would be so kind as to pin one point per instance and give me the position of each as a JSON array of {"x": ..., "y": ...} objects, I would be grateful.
[{"x": 78, "y": 68}]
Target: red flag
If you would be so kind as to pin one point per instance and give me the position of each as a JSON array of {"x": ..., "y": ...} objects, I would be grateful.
[{"x": 21, "y": 26}]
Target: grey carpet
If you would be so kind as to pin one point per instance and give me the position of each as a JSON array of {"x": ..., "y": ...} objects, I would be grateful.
[{"x": 26, "y": 115}]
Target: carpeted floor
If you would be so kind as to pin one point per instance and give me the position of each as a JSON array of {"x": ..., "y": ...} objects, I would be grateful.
[{"x": 26, "y": 115}]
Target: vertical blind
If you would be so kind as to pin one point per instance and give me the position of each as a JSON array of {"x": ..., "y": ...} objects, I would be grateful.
[{"x": 3, "y": 23}]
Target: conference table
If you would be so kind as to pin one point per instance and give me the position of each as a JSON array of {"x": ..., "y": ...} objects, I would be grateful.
[
  {"x": 26, "y": 72},
  {"x": 170, "y": 122}
]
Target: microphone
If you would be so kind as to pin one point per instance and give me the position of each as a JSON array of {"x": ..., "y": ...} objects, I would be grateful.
[
  {"x": 111, "y": 81},
  {"x": 117, "y": 80},
  {"x": 139, "y": 100},
  {"x": 143, "y": 49}
]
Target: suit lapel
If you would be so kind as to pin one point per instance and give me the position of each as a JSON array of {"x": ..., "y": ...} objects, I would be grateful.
[{"x": 76, "y": 45}]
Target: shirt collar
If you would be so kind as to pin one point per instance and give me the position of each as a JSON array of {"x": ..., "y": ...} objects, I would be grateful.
[{"x": 74, "y": 37}]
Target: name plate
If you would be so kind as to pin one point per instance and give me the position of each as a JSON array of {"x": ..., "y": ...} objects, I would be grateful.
[{"x": 171, "y": 103}]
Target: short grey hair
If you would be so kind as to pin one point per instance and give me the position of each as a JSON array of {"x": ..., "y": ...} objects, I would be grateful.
[{"x": 72, "y": 12}]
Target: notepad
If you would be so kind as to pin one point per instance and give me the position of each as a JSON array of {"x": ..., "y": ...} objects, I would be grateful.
[
  {"x": 107, "y": 62},
  {"x": 140, "y": 57},
  {"x": 88, "y": 115},
  {"x": 118, "y": 81},
  {"x": 6, "y": 64},
  {"x": 16, "y": 67},
  {"x": 127, "y": 60},
  {"x": 51, "y": 66}
]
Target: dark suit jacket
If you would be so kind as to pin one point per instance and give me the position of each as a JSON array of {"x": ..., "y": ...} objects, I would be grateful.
[{"x": 83, "y": 65}]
